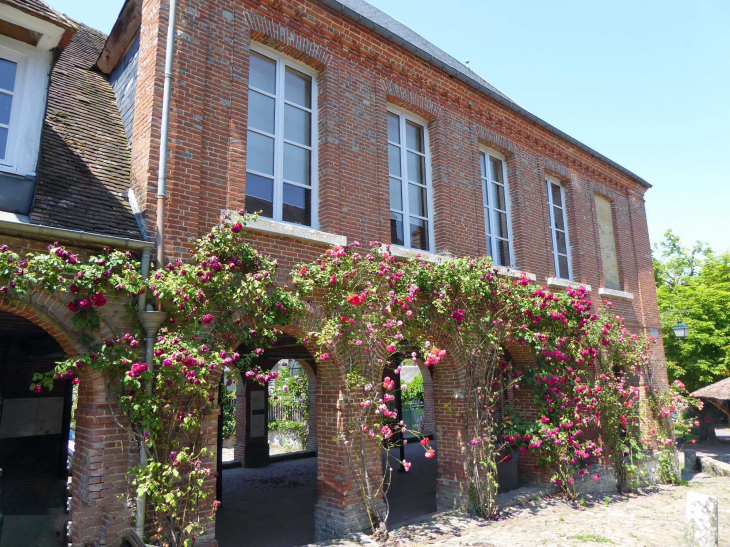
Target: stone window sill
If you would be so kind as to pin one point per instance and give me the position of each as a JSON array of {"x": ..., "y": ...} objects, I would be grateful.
[
  {"x": 509, "y": 272},
  {"x": 564, "y": 283},
  {"x": 414, "y": 254},
  {"x": 613, "y": 293},
  {"x": 294, "y": 231}
]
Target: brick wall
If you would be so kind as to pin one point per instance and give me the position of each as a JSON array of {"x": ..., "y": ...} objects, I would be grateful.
[{"x": 359, "y": 74}]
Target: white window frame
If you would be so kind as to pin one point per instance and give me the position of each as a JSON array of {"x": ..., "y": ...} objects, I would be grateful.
[
  {"x": 487, "y": 203},
  {"x": 549, "y": 181},
  {"x": 28, "y": 107},
  {"x": 282, "y": 61},
  {"x": 403, "y": 116}
]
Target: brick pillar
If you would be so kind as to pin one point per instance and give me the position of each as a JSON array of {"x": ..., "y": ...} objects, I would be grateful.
[
  {"x": 340, "y": 509},
  {"x": 452, "y": 485},
  {"x": 210, "y": 433},
  {"x": 104, "y": 452}
]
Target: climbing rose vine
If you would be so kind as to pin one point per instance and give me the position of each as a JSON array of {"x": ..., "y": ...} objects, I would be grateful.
[{"x": 592, "y": 381}]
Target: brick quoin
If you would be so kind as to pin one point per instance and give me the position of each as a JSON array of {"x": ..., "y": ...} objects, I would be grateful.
[{"x": 360, "y": 73}]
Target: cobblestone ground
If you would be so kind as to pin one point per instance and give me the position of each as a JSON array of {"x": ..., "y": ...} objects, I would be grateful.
[{"x": 654, "y": 517}]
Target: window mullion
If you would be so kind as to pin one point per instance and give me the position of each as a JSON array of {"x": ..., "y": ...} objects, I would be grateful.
[
  {"x": 279, "y": 142},
  {"x": 404, "y": 183},
  {"x": 565, "y": 232}
]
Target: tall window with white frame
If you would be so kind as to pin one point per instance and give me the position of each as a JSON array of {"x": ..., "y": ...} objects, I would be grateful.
[
  {"x": 8, "y": 70},
  {"x": 281, "y": 150},
  {"x": 559, "y": 229},
  {"x": 409, "y": 172},
  {"x": 496, "y": 208}
]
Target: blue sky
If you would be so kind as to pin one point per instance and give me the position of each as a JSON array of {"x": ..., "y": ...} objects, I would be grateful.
[{"x": 645, "y": 83}]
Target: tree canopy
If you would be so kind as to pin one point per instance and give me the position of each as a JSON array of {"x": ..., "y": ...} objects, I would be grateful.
[{"x": 693, "y": 286}]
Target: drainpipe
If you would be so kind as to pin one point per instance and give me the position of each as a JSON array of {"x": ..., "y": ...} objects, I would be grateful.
[
  {"x": 151, "y": 322},
  {"x": 162, "y": 171}
]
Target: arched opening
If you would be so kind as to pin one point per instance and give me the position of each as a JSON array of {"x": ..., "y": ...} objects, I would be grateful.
[
  {"x": 268, "y": 485},
  {"x": 34, "y": 437},
  {"x": 413, "y": 493}
]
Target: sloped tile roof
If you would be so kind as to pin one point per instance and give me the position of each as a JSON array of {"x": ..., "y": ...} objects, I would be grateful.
[
  {"x": 719, "y": 390},
  {"x": 84, "y": 164},
  {"x": 42, "y": 10}
]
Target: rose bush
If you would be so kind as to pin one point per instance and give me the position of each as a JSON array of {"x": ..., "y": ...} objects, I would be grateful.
[{"x": 587, "y": 375}]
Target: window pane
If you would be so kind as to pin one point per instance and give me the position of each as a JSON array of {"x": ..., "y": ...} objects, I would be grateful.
[
  {"x": 414, "y": 136},
  {"x": 485, "y": 193},
  {"x": 487, "y": 222},
  {"x": 563, "y": 265},
  {"x": 298, "y": 88},
  {"x": 297, "y": 205},
  {"x": 394, "y": 160},
  {"x": 396, "y": 228},
  {"x": 396, "y": 194},
  {"x": 417, "y": 200},
  {"x": 260, "y": 153},
  {"x": 7, "y": 74},
  {"x": 3, "y": 141},
  {"x": 489, "y": 247},
  {"x": 416, "y": 168},
  {"x": 560, "y": 242},
  {"x": 419, "y": 233},
  {"x": 557, "y": 197},
  {"x": 496, "y": 167},
  {"x": 296, "y": 164},
  {"x": 261, "y": 112},
  {"x": 482, "y": 164},
  {"x": 393, "y": 128},
  {"x": 262, "y": 73},
  {"x": 499, "y": 200},
  {"x": 558, "y": 216},
  {"x": 297, "y": 125},
  {"x": 259, "y": 195},
  {"x": 502, "y": 258},
  {"x": 6, "y": 102},
  {"x": 501, "y": 225}
]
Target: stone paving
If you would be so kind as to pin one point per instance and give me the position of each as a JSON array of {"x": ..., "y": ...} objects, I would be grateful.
[{"x": 654, "y": 517}]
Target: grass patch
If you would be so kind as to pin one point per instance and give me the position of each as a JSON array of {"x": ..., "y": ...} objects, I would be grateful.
[{"x": 591, "y": 538}]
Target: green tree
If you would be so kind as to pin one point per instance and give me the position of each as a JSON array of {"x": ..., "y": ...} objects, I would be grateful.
[
  {"x": 693, "y": 285},
  {"x": 413, "y": 390}
]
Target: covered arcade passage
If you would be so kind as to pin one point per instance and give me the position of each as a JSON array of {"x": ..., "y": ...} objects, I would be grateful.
[
  {"x": 34, "y": 434},
  {"x": 270, "y": 499},
  {"x": 281, "y": 502}
]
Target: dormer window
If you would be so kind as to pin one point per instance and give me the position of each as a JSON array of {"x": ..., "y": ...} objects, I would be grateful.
[{"x": 23, "y": 86}]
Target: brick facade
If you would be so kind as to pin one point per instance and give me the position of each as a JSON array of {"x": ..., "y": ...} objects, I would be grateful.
[{"x": 359, "y": 74}]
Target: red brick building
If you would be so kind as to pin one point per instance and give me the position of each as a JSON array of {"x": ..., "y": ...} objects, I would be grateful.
[{"x": 338, "y": 123}]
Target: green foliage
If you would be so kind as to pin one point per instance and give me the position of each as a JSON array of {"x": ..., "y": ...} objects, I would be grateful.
[
  {"x": 292, "y": 393},
  {"x": 166, "y": 401},
  {"x": 228, "y": 409},
  {"x": 413, "y": 390},
  {"x": 693, "y": 285}
]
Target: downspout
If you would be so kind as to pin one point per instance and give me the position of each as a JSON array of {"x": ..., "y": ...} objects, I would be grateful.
[
  {"x": 164, "y": 138},
  {"x": 152, "y": 320}
]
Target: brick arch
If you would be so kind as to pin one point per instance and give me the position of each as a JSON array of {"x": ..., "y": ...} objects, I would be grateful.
[
  {"x": 52, "y": 323},
  {"x": 96, "y": 507}
]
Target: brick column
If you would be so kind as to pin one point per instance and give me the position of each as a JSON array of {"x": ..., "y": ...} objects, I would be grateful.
[
  {"x": 452, "y": 486},
  {"x": 340, "y": 509},
  {"x": 104, "y": 452}
]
